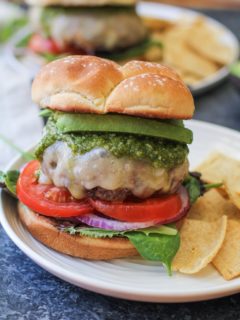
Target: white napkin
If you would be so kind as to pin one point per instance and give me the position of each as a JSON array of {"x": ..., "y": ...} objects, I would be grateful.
[{"x": 19, "y": 120}]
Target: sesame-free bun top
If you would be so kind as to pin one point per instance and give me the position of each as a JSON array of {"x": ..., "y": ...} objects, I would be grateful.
[
  {"x": 79, "y": 3},
  {"x": 88, "y": 84}
]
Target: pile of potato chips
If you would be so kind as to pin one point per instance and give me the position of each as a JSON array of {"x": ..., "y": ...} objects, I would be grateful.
[
  {"x": 194, "y": 48},
  {"x": 211, "y": 231}
]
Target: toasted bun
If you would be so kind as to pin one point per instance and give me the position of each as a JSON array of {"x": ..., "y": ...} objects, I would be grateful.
[
  {"x": 80, "y": 2},
  {"x": 46, "y": 231},
  {"x": 94, "y": 85}
]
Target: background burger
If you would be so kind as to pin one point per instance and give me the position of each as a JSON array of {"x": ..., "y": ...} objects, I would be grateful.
[
  {"x": 81, "y": 26},
  {"x": 112, "y": 161}
]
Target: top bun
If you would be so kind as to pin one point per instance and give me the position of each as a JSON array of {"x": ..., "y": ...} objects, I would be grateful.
[
  {"x": 88, "y": 3},
  {"x": 95, "y": 85}
]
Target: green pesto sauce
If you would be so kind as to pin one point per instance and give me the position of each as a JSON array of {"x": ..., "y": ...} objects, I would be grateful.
[{"x": 161, "y": 153}]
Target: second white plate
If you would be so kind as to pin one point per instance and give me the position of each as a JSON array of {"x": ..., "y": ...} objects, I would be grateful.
[{"x": 26, "y": 62}]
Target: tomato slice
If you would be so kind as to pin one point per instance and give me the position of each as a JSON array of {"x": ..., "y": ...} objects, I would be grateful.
[
  {"x": 48, "y": 199},
  {"x": 162, "y": 209},
  {"x": 40, "y": 44}
]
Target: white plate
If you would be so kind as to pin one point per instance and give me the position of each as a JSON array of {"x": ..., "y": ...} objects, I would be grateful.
[
  {"x": 133, "y": 279},
  {"x": 30, "y": 63}
]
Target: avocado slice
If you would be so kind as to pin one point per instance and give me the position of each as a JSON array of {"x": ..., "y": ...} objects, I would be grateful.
[{"x": 172, "y": 130}]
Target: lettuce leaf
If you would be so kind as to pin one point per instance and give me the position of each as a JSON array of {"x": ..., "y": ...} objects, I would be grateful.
[{"x": 155, "y": 243}]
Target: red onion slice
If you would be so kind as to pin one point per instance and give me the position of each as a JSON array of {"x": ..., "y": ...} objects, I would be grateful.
[{"x": 96, "y": 221}]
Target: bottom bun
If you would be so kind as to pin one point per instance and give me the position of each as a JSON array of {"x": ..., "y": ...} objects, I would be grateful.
[{"x": 46, "y": 231}]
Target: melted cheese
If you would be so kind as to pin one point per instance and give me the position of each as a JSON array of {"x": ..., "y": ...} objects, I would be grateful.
[{"x": 98, "y": 168}]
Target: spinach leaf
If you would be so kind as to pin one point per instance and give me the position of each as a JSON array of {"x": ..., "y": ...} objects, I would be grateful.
[
  {"x": 156, "y": 247},
  {"x": 196, "y": 187},
  {"x": 155, "y": 243}
]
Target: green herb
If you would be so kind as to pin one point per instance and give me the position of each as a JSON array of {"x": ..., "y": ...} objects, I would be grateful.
[
  {"x": 197, "y": 187},
  {"x": 26, "y": 155},
  {"x": 23, "y": 43},
  {"x": 8, "y": 30},
  {"x": 137, "y": 50},
  {"x": 8, "y": 180},
  {"x": 156, "y": 243}
]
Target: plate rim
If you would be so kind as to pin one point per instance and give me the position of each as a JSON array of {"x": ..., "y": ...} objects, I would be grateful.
[{"x": 113, "y": 290}]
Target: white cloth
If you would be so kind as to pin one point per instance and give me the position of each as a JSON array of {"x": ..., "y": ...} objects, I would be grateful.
[{"x": 19, "y": 120}]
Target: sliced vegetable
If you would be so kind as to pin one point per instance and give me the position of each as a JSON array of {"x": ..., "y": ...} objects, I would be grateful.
[
  {"x": 39, "y": 44},
  {"x": 47, "y": 199},
  {"x": 123, "y": 124},
  {"x": 97, "y": 221},
  {"x": 162, "y": 209}
]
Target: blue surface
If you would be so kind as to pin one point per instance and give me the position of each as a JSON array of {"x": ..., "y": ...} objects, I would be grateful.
[{"x": 29, "y": 292}]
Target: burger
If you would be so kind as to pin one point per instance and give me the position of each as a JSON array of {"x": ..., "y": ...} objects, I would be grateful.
[
  {"x": 85, "y": 27},
  {"x": 110, "y": 177}
]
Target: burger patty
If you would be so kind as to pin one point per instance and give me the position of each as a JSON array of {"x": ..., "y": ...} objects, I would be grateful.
[
  {"x": 98, "y": 170},
  {"x": 109, "y": 195},
  {"x": 90, "y": 29}
]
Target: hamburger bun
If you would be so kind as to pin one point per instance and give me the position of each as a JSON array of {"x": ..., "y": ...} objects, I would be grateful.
[
  {"x": 78, "y": 3},
  {"x": 95, "y": 85},
  {"x": 45, "y": 230}
]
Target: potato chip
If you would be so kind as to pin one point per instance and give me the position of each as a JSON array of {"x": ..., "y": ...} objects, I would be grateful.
[
  {"x": 200, "y": 242},
  {"x": 227, "y": 261},
  {"x": 156, "y": 24},
  {"x": 213, "y": 206},
  {"x": 176, "y": 53},
  {"x": 219, "y": 167},
  {"x": 207, "y": 41}
]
